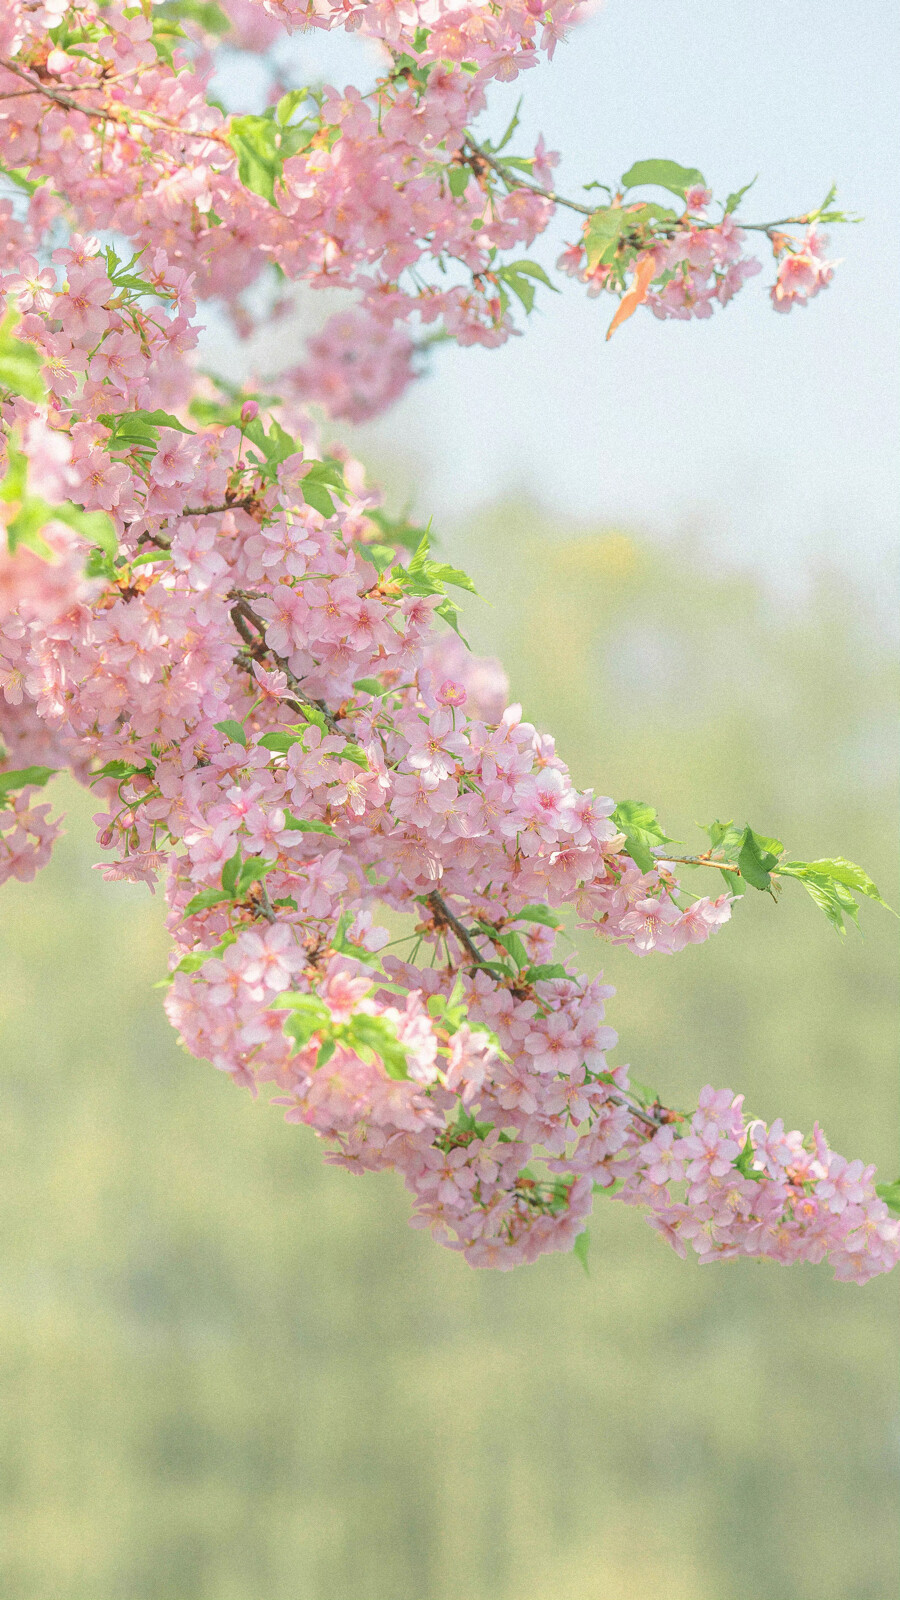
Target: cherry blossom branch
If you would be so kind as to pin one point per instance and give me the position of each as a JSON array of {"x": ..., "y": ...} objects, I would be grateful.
[
  {"x": 444, "y": 917},
  {"x": 514, "y": 181},
  {"x": 107, "y": 113},
  {"x": 241, "y": 613}
]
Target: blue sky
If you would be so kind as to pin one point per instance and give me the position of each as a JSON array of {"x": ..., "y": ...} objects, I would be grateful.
[{"x": 777, "y": 436}]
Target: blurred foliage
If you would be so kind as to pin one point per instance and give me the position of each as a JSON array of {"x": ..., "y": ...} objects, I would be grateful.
[{"x": 231, "y": 1372}]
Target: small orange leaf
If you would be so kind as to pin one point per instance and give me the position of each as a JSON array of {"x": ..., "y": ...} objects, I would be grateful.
[{"x": 645, "y": 272}]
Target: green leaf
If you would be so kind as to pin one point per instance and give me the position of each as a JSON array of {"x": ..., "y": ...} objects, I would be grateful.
[
  {"x": 744, "y": 1161},
  {"x": 326, "y": 1051},
  {"x": 756, "y": 858},
  {"x": 197, "y": 958},
  {"x": 724, "y": 837},
  {"x": 308, "y": 1015},
  {"x": 603, "y": 233},
  {"x": 14, "y": 485},
  {"x": 232, "y": 730},
  {"x": 510, "y": 127},
  {"x": 205, "y": 899},
  {"x": 663, "y": 175},
  {"x": 735, "y": 198},
  {"x": 531, "y": 269},
  {"x": 94, "y": 526},
  {"x": 513, "y": 944},
  {"x": 458, "y": 179},
  {"x": 230, "y": 872},
  {"x": 204, "y": 12},
  {"x": 642, "y": 830},
  {"x": 160, "y": 419},
  {"x": 521, "y": 287},
  {"x": 542, "y": 914},
  {"x": 280, "y": 742},
  {"x": 25, "y": 527},
  {"x": 840, "y": 871},
  {"x": 581, "y": 1247},
  {"x": 832, "y": 897},
  {"x": 148, "y": 557},
  {"x": 423, "y": 576},
  {"x": 545, "y": 971},
  {"x": 369, "y": 686},
  {"x": 316, "y": 495},
  {"x": 116, "y": 769},
  {"x": 253, "y": 871},
  {"x": 352, "y": 752},
  {"x": 300, "y": 825},
  {"x": 890, "y": 1194},
  {"x": 397, "y": 529},
  {"x": 379, "y": 1035},
  {"x": 26, "y": 777},
  {"x": 20, "y": 363},
  {"x": 254, "y": 141},
  {"x": 288, "y": 104}
]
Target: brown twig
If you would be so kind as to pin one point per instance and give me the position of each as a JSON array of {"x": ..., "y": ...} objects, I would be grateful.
[{"x": 445, "y": 918}]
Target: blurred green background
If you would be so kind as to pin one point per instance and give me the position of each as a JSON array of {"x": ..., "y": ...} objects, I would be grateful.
[{"x": 230, "y": 1372}]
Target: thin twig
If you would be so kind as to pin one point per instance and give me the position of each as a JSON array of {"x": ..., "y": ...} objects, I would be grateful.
[
  {"x": 241, "y": 613},
  {"x": 146, "y": 119},
  {"x": 444, "y": 917},
  {"x": 513, "y": 181}
]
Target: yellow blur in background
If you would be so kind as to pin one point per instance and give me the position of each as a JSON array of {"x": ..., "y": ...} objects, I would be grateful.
[{"x": 230, "y": 1372}]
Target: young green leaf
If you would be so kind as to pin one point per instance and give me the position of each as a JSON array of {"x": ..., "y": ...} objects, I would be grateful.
[
  {"x": 254, "y": 141},
  {"x": 602, "y": 234},
  {"x": 281, "y": 741},
  {"x": 378, "y": 1035},
  {"x": 663, "y": 175},
  {"x": 457, "y": 180},
  {"x": 581, "y": 1248},
  {"x": 204, "y": 900},
  {"x": 756, "y": 858},
  {"x": 832, "y": 897},
  {"x": 230, "y": 872},
  {"x": 513, "y": 944},
  {"x": 253, "y": 871},
  {"x": 542, "y": 914},
  {"x": 642, "y": 830},
  {"x": 25, "y": 778},
  {"x": 839, "y": 871},
  {"x": 300, "y": 825},
  {"x": 744, "y": 1162},
  {"x": 317, "y": 496},
  {"x": 20, "y": 363},
  {"x": 890, "y": 1194},
  {"x": 735, "y": 198},
  {"x": 232, "y": 730}
]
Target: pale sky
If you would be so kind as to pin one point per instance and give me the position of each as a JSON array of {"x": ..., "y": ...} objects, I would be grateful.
[{"x": 778, "y": 434}]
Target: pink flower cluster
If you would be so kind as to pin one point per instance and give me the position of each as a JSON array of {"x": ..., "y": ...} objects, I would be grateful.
[
  {"x": 356, "y": 367},
  {"x": 803, "y": 271},
  {"x": 700, "y": 266},
  {"x": 215, "y": 625},
  {"x": 380, "y": 193},
  {"x": 728, "y": 1188},
  {"x": 276, "y": 718}
]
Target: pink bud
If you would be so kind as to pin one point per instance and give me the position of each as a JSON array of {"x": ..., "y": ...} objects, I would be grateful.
[
  {"x": 106, "y": 838},
  {"x": 249, "y": 410}
]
